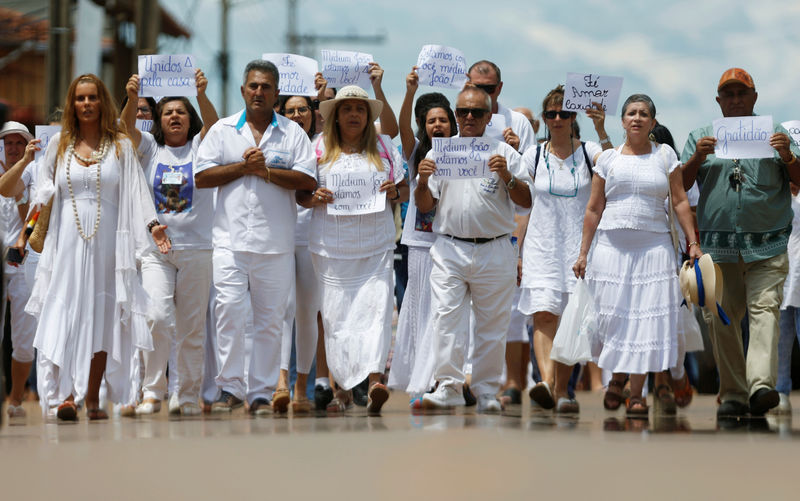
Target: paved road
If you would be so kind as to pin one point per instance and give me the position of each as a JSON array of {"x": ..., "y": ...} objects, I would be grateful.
[{"x": 520, "y": 455}]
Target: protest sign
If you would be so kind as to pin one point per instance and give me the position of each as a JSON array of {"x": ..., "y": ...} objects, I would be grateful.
[
  {"x": 144, "y": 125},
  {"x": 161, "y": 75},
  {"x": 3, "y": 153},
  {"x": 43, "y": 133},
  {"x": 495, "y": 127},
  {"x": 793, "y": 127},
  {"x": 440, "y": 66},
  {"x": 343, "y": 67},
  {"x": 582, "y": 89},
  {"x": 297, "y": 73},
  {"x": 462, "y": 157},
  {"x": 356, "y": 192},
  {"x": 743, "y": 137}
]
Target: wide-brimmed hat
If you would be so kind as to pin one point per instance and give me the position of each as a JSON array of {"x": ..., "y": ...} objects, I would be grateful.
[
  {"x": 12, "y": 127},
  {"x": 351, "y": 92},
  {"x": 701, "y": 284},
  {"x": 736, "y": 75}
]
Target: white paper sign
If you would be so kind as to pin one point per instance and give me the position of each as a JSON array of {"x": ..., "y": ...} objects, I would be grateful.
[
  {"x": 793, "y": 127},
  {"x": 343, "y": 67},
  {"x": 441, "y": 66},
  {"x": 162, "y": 75},
  {"x": 44, "y": 133},
  {"x": 462, "y": 157},
  {"x": 582, "y": 89},
  {"x": 297, "y": 73},
  {"x": 743, "y": 137},
  {"x": 496, "y": 127},
  {"x": 2, "y": 152},
  {"x": 356, "y": 193},
  {"x": 144, "y": 125}
]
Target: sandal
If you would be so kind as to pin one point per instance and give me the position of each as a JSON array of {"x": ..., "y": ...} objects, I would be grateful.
[
  {"x": 67, "y": 411},
  {"x": 665, "y": 400},
  {"x": 301, "y": 406},
  {"x": 542, "y": 395},
  {"x": 567, "y": 405},
  {"x": 376, "y": 397},
  {"x": 613, "y": 399},
  {"x": 637, "y": 408},
  {"x": 340, "y": 403},
  {"x": 683, "y": 391},
  {"x": 280, "y": 400},
  {"x": 96, "y": 414}
]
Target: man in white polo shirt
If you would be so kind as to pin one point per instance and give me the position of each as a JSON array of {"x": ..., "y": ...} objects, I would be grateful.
[
  {"x": 474, "y": 262},
  {"x": 257, "y": 159}
]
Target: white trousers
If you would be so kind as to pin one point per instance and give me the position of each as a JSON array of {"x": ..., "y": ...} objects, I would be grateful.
[
  {"x": 210, "y": 363},
  {"x": 302, "y": 312},
  {"x": 178, "y": 285},
  {"x": 484, "y": 274},
  {"x": 264, "y": 281},
  {"x": 23, "y": 325}
]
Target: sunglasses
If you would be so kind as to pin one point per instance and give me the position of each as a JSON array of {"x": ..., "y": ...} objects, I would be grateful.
[
  {"x": 550, "y": 115},
  {"x": 301, "y": 110},
  {"x": 488, "y": 88},
  {"x": 477, "y": 113}
]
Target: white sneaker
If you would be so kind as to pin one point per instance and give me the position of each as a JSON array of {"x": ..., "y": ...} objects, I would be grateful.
[
  {"x": 149, "y": 406},
  {"x": 445, "y": 397},
  {"x": 174, "y": 406},
  {"x": 488, "y": 404},
  {"x": 784, "y": 405},
  {"x": 190, "y": 409}
]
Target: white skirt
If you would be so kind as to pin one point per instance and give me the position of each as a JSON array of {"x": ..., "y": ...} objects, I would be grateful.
[
  {"x": 414, "y": 357},
  {"x": 632, "y": 275},
  {"x": 534, "y": 300},
  {"x": 356, "y": 305}
]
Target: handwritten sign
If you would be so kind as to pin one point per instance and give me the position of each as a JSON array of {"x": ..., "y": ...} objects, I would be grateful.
[
  {"x": 44, "y": 133},
  {"x": 144, "y": 125},
  {"x": 463, "y": 157},
  {"x": 441, "y": 66},
  {"x": 743, "y": 137},
  {"x": 356, "y": 193},
  {"x": 793, "y": 127},
  {"x": 172, "y": 75},
  {"x": 2, "y": 152},
  {"x": 582, "y": 89},
  {"x": 495, "y": 127},
  {"x": 342, "y": 67},
  {"x": 297, "y": 73}
]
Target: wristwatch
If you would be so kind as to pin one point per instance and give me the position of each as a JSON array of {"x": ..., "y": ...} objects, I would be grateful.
[
  {"x": 152, "y": 224},
  {"x": 511, "y": 183}
]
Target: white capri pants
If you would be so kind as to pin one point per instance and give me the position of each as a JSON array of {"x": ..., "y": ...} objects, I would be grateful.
[{"x": 23, "y": 325}]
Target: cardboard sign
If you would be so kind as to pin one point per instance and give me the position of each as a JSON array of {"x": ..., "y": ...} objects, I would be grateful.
[
  {"x": 582, "y": 89},
  {"x": 441, "y": 66},
  {"x": 356, "y": 192},
  {"x": 743, "y": 137},
  {"x": 495, "y": 127},
  {"x": 344, "y": 67},
  {"x": 463, "y": 157},
  {"x": 167, "y": 75},
  {"x": 144, "y": 125},
  {"x": 44, "y": 133},
  {"x": 297, "y": 73},
  {"x": 793, "y": 127}
]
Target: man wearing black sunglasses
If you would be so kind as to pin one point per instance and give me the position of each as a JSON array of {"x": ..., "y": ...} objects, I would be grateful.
[
  {"x": 473, "y": 261},
  {"x": 486, "y": 76}
]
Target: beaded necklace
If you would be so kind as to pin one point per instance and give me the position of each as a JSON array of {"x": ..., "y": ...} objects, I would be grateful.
[{"x": 96, "y": 158}]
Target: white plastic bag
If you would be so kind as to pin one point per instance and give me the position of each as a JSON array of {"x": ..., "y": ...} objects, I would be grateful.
[
  {"x": 578, "y": 326},
  {"x": 690, "y": 329}
]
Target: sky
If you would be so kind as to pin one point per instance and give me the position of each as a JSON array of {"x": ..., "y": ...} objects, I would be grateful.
[{"x": 674, "y": 51}]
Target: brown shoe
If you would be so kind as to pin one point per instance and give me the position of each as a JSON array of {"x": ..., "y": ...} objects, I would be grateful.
[
  {"x": 377, "y": 396},
  {"x": 301, "y": 406},
  {"x": 280, "y": 400}
]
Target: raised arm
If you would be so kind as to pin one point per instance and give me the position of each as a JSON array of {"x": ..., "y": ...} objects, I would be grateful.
[
  {"x": 422, "y": 194},
  {"x": 591, "y": 219},
  {"x": 697, "y": 153},
  {"x": 128, "y": 115},
  {"x": 387, "y": 118},
  {"x": 598, "y": 117},
  {"x": 207, "y": 111},
  {"x": 11, "y": 184},
  {"x": 404, "y": 123}
]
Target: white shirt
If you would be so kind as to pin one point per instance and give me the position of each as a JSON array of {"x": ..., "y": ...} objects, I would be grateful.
[
  {"x": 252, "y": 215},
  {"x": 9, "y": 211},
  {"x": 418, "y": 226},
  {"x": 791, "y": 287},
  {"x": 520, "y": 126},
  {"x": 186, "y": 210},
  {"x": 477, "y": 207}
]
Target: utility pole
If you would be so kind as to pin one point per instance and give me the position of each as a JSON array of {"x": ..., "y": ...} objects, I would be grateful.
[
  {"x": 224, "y": 56},
  {"x": 58, "y": 67},
  {"x": 148, "y": 26},
  {"x": 294, "y": 40}
]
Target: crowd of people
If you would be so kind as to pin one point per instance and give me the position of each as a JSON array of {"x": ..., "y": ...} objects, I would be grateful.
[{"x": 207, "y": 262}]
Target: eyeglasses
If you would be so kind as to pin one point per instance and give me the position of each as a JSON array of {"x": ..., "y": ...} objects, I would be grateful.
[
  {"x": 477, "y": 113},
  {"x": 551, "y": 114},
  {"x": 488, "y": 88},
  {"x": 301, "y": 110},
  {"x": 143, "y": 109}
]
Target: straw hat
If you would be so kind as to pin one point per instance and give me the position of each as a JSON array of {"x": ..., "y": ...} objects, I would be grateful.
[
  {"x": 12, "y": 127},
  {"x": 351, "y": 92},
  {"x": 701, "y": 283}
]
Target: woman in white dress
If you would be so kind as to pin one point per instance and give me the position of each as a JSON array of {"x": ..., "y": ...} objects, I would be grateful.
[
  {"x": 87, "y": 293},
  {"x": 178, "y": 283},
  {"x": 561, "y": 168},
  {"x": 413, "y": 360},
  {"x": 353, "y": 252},
  {"x": 632, "y": 269}
]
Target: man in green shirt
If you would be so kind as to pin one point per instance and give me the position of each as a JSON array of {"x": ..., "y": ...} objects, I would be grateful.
[{"x": 744, "y": 217}]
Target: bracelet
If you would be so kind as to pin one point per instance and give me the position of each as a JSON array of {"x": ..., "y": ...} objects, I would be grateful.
[
  {"x": 152, "y": 224},
  {"x": 605, "y": 141},
  {"x": 693, "y": 243},
  {"x": 792, "y": 160},
  {"x": 268, "y": 174},
  {"x": 396, "y": 194}
]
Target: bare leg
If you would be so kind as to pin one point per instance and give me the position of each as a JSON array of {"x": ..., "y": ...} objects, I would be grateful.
[
  {"x": 637, "y": 384},
  {"x": 283, "y": 380},
  {"x": 19, "y": 374},
  {"x": 544, "y": 330},
  {"x": 524, "y": 360},
  {"x": 513, "y": 366},
  {"x": 595, "y": 376},
  {"x": 300, "y": 386},
  {"x": 322, "y": 360},
  {"x": 96, "y": 371}
]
